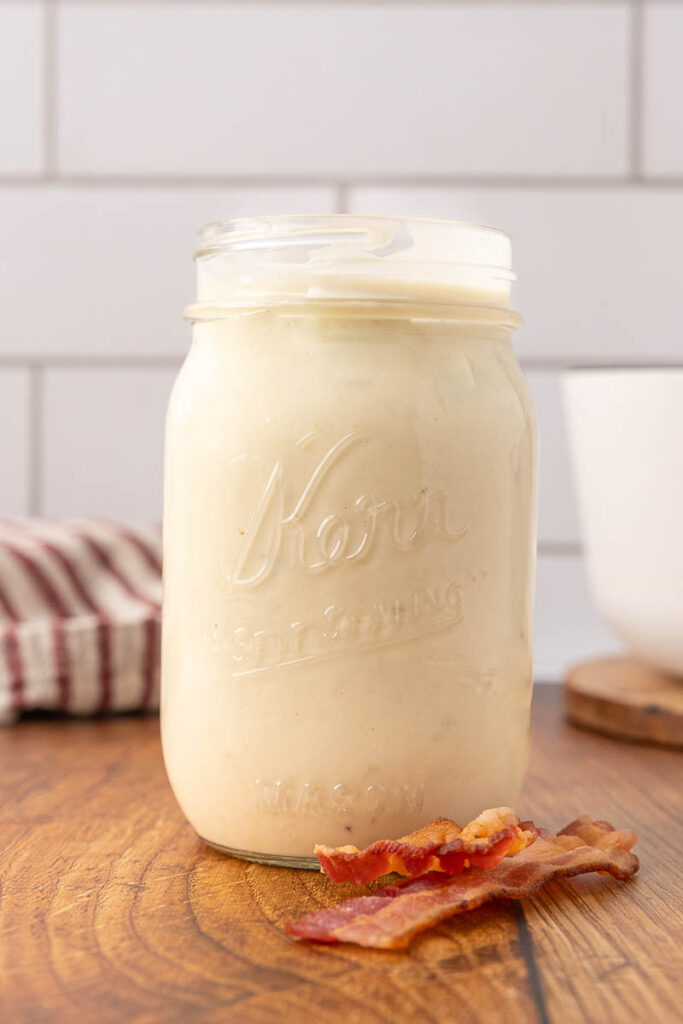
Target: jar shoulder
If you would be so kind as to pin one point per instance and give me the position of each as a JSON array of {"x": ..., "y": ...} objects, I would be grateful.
[{"x": 241, "y": 375}]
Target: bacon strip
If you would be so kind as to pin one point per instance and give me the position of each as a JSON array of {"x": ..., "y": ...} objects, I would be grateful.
[
  {"x": 439, "y": 846},
  {"x": 389, "y": 919}
]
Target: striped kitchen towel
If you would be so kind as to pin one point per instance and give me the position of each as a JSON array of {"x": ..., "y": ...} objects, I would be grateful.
[{"x": 79, "y": 617}]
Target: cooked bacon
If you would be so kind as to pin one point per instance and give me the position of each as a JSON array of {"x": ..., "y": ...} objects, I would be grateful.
[
  {"x": 389, "y": 919},
  {"x": 439, "y": 846}
]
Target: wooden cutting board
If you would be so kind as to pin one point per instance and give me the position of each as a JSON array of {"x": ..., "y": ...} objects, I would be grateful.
[{"x": 624, "y": 698}]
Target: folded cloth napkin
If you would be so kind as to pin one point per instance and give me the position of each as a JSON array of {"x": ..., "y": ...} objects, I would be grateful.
[{"x": 79, "y": 617}]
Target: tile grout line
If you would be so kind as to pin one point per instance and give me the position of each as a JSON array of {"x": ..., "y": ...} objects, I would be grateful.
[
  {"x": 559, "y": 548},
  {"x": 637, "y": 29},
  {"x": 68, "y": 361},
  {"x": 342, "y": 202},
  {"x": 532, "y": 364},
  {"x": 35, "y": 444},
  {"x": 360, "y": 181},
  {"x": 370, "y": 3},
  {"x": 49, "y": 91},
  {"x": 556, "y": 366}
]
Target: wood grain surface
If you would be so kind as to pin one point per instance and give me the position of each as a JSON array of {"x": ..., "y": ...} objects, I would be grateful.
[
  {"x": 112, "y": 910},
  {"x": 625, "y": 698}
]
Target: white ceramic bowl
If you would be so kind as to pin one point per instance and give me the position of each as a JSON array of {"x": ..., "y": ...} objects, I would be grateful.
[{"x": 626, "y": 435}]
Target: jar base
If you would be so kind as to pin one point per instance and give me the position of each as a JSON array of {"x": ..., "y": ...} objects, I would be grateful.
[{"x": 274, "y": 860}]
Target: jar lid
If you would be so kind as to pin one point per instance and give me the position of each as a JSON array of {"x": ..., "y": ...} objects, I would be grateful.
[{"x": 344, "y": 258}]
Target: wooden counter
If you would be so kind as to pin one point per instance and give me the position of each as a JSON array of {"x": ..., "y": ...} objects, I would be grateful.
[{"x": 112, "y": 910}]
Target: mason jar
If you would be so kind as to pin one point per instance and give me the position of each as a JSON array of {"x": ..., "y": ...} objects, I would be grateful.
[{"x": 349, "y": 535}]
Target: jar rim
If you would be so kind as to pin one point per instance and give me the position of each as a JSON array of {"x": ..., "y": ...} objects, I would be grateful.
[
  {"x": 301, "y": 258},
  {"x": 219, "y": 235}
]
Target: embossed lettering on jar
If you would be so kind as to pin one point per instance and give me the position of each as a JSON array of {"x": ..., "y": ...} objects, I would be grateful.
[{"x": 348, "y": 535}]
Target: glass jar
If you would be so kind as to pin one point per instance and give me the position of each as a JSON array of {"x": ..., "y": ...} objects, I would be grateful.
[{"x": 349, "y": 535}]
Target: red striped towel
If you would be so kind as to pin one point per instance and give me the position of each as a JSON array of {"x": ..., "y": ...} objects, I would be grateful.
[{"x": 79, "y": 617}]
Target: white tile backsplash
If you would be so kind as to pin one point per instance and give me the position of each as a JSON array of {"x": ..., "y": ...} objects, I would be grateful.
[
  {"x": 558, "y": 521},
  {"x": 567, "y": 626},
  {"x": 14, "y": 442},
  {"x": 106, "y": 271},
  {"x": 21, "y": 71},
  {"x": 103, "y": 442},
  {"x": 161, "y": 116},
  {"x": 663, "y": 89},
  {"x": 343, "y": 89},
  {"x": 598, "y": 269}
]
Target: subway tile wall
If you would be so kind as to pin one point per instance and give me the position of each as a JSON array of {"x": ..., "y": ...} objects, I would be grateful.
[
  {"x": 288, "y": 82},
  {"x": 126, "y": 124},
  {"x": 21, "y": 87}
]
